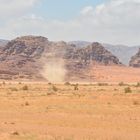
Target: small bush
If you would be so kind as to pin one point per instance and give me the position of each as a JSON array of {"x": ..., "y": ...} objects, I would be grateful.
[
  {"x": 54, "y": 88},
  {"x": 76, "y": 87},
  {"x": 25, "y": 87},
  {"x": 15, "y": 133},
  {"x": 102, "y": 84},
  {"x": 14, "y": 89},
  {"x": 26, "y": 103},
  {"x": 115, "y": 89},
  {"x": 19, "y": 83},
  {"x": 128, "y": 90},
  {"x": 135, "y": 102},
  {"x": 138, "y": 84},
  {"x": 49, "y": 83},
  {"x": 3, "y": 83},
  {"x": 67, "y": 83},
  {"x": 50, "y": 93},
  {"x": 121, "y": 84}
]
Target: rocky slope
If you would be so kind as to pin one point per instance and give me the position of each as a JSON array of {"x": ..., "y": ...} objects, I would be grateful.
[
  {"x": 120, "y": 50},
  {"x": 117, "y": 50},
  {"x": 35, "y": 57},
  {"x": 135, "y": 60}
]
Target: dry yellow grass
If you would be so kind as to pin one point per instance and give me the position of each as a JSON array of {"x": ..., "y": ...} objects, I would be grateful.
[{"x": 93, "y": 112}]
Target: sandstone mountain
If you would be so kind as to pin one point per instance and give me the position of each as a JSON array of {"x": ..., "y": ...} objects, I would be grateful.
[
  {"x": 117, "y": 50},
  {"x": 135, "y": 60},
  {"x": 35, "y": 57}
]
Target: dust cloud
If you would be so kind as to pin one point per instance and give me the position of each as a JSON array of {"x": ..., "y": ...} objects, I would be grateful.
[{"x": 54, "y": 70}]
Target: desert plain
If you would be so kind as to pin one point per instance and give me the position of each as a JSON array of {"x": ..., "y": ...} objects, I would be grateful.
[{"x": 69, "y": 111}]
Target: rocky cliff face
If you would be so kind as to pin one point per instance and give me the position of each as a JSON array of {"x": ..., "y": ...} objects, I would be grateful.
[
  {"x": 20, "y": 57},
  {"x": 95, "y": 53},
  {"x": 135, "y": 60},
  {"x": 26, "y": 57}
]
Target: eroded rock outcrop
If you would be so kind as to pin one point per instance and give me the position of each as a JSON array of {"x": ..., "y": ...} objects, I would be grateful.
[{"x": 135, "y": 60}]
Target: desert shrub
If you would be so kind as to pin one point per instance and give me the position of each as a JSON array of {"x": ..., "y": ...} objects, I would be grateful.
[
  {"x": 19, "y": 83},
  {"x": 138, "y": 84},
  {"x": 76, "y": 87},
  {"x": 49, "y": 83},
  {"x": 102, "y": 84},
  {"x": 115, "y": 89},
  {"x": 15, "y": 133},
  {"x": 3, "y": 83},
  {"x": 26, "y": 103},
  {"x": 14, "y": 89},
  {"x": 50, "y": 93},
  {"x": 21, "y": 76},
  {"x": 135, "y": 102},
  {"x": 54, "y": 88},
  {"x": 25, "y": 87},
  {"x": 67, "y": 83},
  {"x": 121, "y": 84},
  {"x": 127, "y": 90}
]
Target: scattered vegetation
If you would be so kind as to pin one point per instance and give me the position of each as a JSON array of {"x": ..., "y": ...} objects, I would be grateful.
[
  {"x": 67, "y": 83},
  {"x": 25, "y": 87},
  {"x": 19, "y": 83},
  {"x": 76, "y": 87},
  {"x": 3, "y": 83},
  {"x": 135, "y": 102},
  {"x": 121, "y": 84},
  {"x": 127, "y": 90},
  {"x": 138, "y": 84},
  {"x": 115, "y": 89},
  {"x": 54, "y": 88},
  {"x": 14, "y": 89},
  {"x": 49, "y": 83},
  {"x": 26, "y": 103},
  {"x": 102, "y": 84},
  {"x": 15, "y": 133}
]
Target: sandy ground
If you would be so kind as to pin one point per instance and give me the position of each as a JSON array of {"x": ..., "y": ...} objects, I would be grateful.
[
  {"x": 115, "y": 74},
  {"x": 47, "y": 112}
]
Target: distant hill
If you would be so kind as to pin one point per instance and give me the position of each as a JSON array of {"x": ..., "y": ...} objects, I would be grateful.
[{"x": 124, "y": 53}]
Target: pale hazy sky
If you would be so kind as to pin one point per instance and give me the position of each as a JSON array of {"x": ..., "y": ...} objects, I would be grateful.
[{"x": 106, "y": 21}]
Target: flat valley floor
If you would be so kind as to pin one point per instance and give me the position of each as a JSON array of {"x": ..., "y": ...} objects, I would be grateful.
[{"x": 41, "y": 111}]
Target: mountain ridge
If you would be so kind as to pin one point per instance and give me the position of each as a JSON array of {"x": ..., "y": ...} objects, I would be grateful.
[{"x": 30, "y": 56}]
